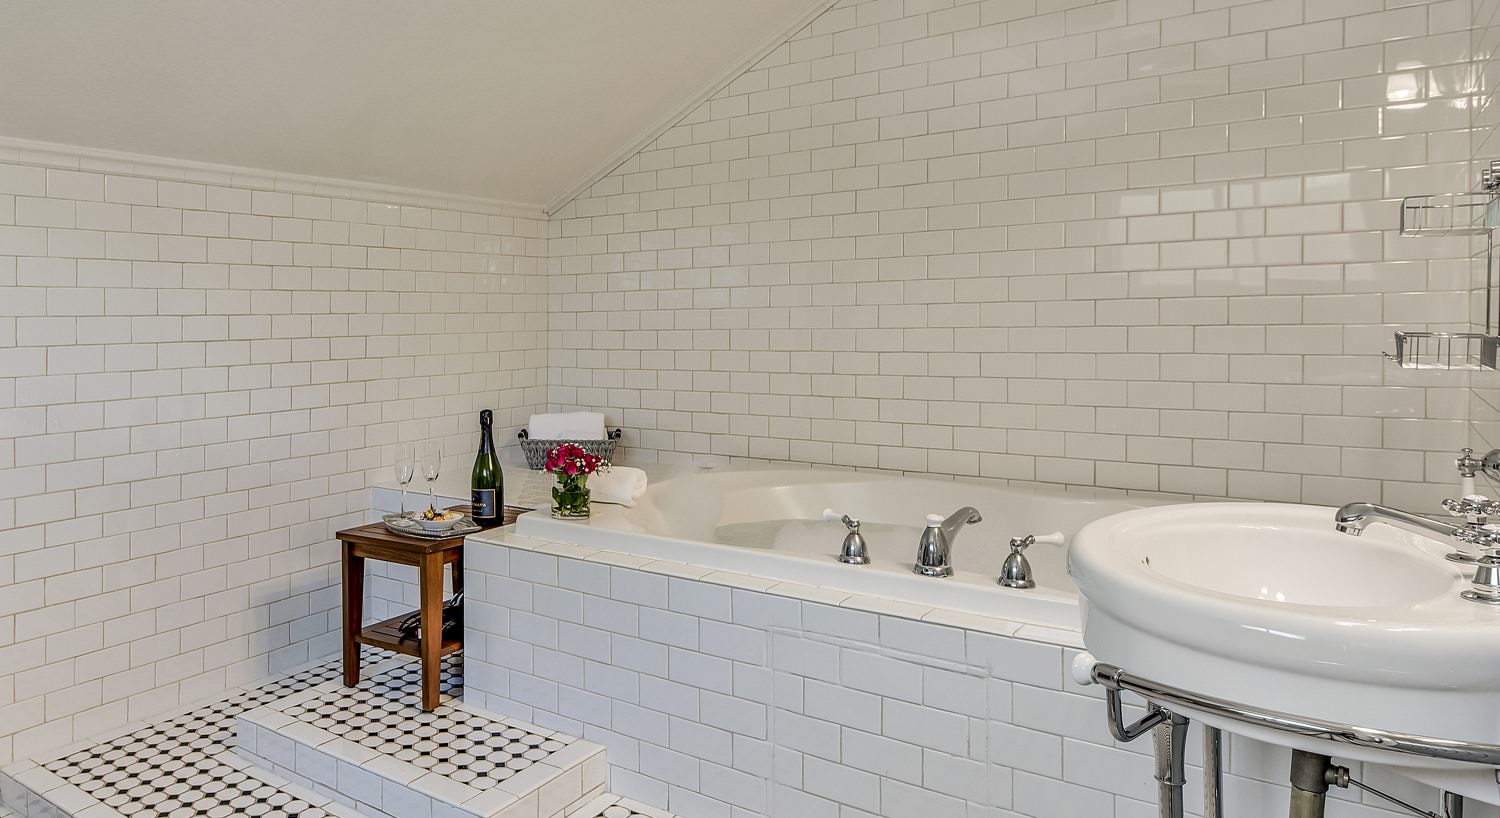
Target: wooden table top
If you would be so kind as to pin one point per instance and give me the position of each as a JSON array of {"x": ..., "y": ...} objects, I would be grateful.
[{"x": 378, "y": 535}]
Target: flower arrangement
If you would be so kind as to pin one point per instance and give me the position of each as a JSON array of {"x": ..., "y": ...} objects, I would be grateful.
[{"x": 572, "y": 465}]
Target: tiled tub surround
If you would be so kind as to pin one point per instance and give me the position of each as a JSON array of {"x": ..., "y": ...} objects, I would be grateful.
[
  {"x": 1141, "y": 244},
  {"x": 721, "y": 694},
  {"x": 201, "y": 370}
]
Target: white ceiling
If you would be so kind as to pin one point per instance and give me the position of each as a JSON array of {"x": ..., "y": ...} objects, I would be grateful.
[{"x": 516, "y": 100}]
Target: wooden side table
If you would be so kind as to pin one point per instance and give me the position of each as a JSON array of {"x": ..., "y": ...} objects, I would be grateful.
[{"x": 375, "y": 542}]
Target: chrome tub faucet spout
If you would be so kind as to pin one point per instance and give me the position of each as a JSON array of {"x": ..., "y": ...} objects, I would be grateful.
[{"x": 935, "y": 548}]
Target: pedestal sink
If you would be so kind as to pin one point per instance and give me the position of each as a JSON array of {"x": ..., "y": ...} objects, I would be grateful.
[{"x": 1268, "y": 606}]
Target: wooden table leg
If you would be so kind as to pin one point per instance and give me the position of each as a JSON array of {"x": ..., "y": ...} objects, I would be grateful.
[
  {"x": 431, "y": 585},
  {"x": 458, "y": 572},
  {"x": 354, "y": 605}
]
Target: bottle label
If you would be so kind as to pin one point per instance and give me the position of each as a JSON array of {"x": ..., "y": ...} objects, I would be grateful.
[{"x": 484, "y": 504}]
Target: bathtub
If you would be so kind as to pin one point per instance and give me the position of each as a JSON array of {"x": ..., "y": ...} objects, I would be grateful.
[{"x": 767, "y": 523}]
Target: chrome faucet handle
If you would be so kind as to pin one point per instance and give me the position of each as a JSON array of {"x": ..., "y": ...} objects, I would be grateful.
[
  {"x": 1468, "y": 465},
  {"x": 1472, "y": 507},
  {"x": 1483, "y": 537},
  {"x": 829, "y": 516},
  {"x": 1459, "y": 507},
  {"x": 854, "y": 550},
  {"x": 1485, "y": 587},
  {"x": 1015, "y": 572}
]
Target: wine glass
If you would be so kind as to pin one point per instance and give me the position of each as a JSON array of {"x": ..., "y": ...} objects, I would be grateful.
[
  {"x": 406, "y": 468},
  {"x": 430, "y": 461}
]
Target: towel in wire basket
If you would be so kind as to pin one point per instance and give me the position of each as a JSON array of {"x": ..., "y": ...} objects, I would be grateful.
[{"x": 537, "y": 450}]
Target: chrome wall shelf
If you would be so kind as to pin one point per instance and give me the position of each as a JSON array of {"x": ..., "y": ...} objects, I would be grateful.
[
  {"x": 1472, "y": 213},
  {"x": 1445, "y": 350},
  {"x": 1447, "y": 214}
]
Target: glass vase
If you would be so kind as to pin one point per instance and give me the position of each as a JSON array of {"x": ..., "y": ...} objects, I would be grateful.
[{"x": 570, "y": 497}]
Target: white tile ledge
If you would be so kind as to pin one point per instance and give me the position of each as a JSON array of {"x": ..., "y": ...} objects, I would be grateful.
[{"x": 1062, "y": 637}]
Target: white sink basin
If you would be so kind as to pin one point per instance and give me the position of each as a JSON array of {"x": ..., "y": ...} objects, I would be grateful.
[
  {"x": 1268, "y": 606},
  {"x": 1332, "y": 570}
]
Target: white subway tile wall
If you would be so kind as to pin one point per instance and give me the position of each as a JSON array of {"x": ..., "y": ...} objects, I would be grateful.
[
  {"x": 199, "y": 375},
  {"x": 1145, "y": 245},
  {"x": 1484, "y": 402},
  {"x": 760, "y": 704}
]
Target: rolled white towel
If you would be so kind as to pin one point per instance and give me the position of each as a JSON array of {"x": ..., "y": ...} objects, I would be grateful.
[
  {"x": 566, "y": 426},
  {"x": 621, "y": 485}
]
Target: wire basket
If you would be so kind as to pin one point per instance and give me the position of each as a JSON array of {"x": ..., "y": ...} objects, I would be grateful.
[
  {"x": 1448, "y": 214},
  {"x": 1445, "y": 350},
  {"x": 537, "y": 450}
]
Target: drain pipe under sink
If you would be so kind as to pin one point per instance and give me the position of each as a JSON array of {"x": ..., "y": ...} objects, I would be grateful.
[{"x": 1311, "y": 775}]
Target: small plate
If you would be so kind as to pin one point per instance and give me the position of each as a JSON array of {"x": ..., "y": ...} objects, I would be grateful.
[{"x": 405, "y": 525}]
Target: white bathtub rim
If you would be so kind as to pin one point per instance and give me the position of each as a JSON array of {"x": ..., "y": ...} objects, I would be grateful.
[{"x": 1064, "y": 635}]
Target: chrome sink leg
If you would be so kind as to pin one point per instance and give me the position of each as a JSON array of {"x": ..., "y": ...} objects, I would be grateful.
[
  {"x": 1453, "y": 805},
  {"x": 1170, "y": 737},
  {"x": 1213, "y": 772}
]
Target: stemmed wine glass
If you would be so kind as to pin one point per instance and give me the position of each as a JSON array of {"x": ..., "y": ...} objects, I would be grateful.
[
  {"x": 406, "y": 468},
  {"x": 430, "y": 462}
]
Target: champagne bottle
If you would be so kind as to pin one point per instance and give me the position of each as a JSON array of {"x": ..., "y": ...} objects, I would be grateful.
[{"x": 487, "y": 483}]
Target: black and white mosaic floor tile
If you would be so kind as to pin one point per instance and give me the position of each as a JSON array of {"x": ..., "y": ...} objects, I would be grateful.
[
  {"x": 184, "y": 766},
  {"x": 174, "y": 768},
  {"x": 163, "y": 784},
  {"x": 205, "y": 731}
]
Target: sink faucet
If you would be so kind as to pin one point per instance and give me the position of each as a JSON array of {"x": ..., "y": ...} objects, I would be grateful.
[
  {"x": 935, "y": 548},
  {"x": 1354, "y": 518},
  {"x": 1476, "y": 529}
]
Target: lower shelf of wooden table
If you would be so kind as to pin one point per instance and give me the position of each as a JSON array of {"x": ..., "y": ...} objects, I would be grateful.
[{"x": 387, "y": 635}]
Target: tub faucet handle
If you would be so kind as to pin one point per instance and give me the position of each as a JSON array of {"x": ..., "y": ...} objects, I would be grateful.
[
  {"x": 854, "y": 550},
  {"x": 1016, "y": 572}
]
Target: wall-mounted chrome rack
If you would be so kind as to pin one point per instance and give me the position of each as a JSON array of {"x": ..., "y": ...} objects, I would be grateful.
[
  {"x": 1475, "y": 213},
  {"x": 1445, "y": 350},
  {"x": 1447, "y": 214}
]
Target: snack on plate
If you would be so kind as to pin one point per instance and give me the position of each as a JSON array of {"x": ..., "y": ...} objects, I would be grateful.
[{"x": 435, "y": 520}]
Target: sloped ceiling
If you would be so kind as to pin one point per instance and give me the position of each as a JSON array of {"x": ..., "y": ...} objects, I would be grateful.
[{"x": 516, "y": 100}]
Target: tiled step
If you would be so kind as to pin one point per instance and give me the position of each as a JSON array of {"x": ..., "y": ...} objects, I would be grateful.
[
  {"x": 372, "y": 748},
  {"x": 613, "y": 806}
]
